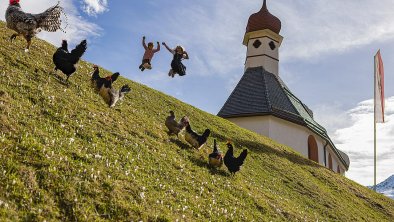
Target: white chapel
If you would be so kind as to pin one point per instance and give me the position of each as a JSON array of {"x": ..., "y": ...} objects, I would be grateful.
[{"x": 261, "y": 102}]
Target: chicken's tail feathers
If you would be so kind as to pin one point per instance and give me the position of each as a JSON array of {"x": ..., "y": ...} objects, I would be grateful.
[
  {"x": 50, "y": 20},
  {"x": 79, "y": 51},
  {"x": 115, "y": 76},
  {"x": 215, "y": 148},
  {"x": 243, "y": 155},
  {"x": 123, "y": 91},
  {"x": 206, "y": 133}
]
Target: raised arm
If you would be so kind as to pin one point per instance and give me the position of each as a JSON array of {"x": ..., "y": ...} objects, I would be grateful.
[
  {"x": 185, "y": 55},
  {"x": 158, "y": 47},
  {"x": 143, "y": 43},
  {"x": 168, "y": 48}
]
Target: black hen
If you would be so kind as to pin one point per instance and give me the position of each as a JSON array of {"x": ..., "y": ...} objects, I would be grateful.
[
  {"x": 28, "y": 25},
  {"x": 103, "y": 86},
  {"x": 194, "y": 139},
  {"x": 66, "y": 61},
  {"x": 216, "y": 157},
  {"x": 173, "y": 126},
  {"x": 232, "y": 163}
]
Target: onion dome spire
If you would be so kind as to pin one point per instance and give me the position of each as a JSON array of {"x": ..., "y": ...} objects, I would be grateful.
[{"x": 263, "y": 20}]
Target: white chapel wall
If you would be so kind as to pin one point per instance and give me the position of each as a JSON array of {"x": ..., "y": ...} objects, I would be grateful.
[{"x": 287, "y": 133}]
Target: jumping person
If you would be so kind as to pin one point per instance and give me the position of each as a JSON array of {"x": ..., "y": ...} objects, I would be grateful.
[
  {"x": 148, "y": 55},
  {"x": 176, "y": 65}
]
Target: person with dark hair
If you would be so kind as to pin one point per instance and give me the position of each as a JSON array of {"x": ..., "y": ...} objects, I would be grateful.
[{"x": 148, "y": 55}]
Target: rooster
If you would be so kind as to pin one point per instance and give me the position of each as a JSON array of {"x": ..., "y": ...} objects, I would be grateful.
[
  {"x": 232, "y": 163},
  {"x": 173, "y": 126},
  {"x": 216, "y": 157},
  {"x": 194, "y": 139},
  {"x": 103, "y": 86},
  {"x": 28, "y": 25},
  {"x": 66, "y": 61}
]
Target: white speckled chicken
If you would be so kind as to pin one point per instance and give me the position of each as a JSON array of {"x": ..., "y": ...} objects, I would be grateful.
[
  {"x": 173, "y": 126},
  {"x": 103, "y": 86},
  {"x": 195, "y": 140},
  {"x": 28, "y": 25}
]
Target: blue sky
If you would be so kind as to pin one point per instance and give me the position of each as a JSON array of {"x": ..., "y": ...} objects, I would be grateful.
[{"x": 326, "y": 57}]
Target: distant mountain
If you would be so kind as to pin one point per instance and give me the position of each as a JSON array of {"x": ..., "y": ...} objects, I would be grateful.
[{"x": 386, "y": 187}]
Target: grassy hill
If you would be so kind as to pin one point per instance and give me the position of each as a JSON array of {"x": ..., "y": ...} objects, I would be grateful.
[{"x": 65, "y": 156}]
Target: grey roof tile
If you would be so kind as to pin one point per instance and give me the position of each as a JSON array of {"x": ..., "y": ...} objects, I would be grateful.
[{"x": 262, "y": 93}]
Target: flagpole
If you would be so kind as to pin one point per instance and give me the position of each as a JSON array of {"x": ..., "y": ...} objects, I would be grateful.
[{"x": 374, "y": 125}]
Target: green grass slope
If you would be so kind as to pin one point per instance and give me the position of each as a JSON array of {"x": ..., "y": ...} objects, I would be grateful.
[{"x": 65, "y": 156}]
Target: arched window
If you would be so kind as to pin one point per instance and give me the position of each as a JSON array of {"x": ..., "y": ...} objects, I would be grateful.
[
  {"x": 313, "y": 152},
  {"x": 330, "y": 162}
]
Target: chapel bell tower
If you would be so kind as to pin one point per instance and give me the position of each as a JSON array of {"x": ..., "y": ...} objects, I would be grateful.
[{"x": 263, "y": 41}]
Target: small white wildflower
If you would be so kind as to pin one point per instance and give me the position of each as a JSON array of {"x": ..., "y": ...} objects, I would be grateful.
[{"x": 142, "y": 195}]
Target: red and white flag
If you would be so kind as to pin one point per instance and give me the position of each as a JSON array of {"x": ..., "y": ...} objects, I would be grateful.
[{"x": 379, "y": 88}]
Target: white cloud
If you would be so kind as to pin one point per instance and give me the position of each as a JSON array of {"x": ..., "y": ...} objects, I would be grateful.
[
  {"x": 319, "y": 27},
  {"x": 311, "y": 28},
  {"x": 332, "y": 117},
  {"x": 94, "y": 7},
  {"x": 357, "y": 141},
  {"x": 210, "y": 31},
  {"x": 78, "y": 28}
]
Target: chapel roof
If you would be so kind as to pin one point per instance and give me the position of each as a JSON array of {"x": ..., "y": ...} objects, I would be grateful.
[{"x": 261, "y": 93}]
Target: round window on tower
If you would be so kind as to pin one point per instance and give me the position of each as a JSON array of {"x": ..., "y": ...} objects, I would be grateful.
[
  {"x": 272, "y": 45},
  {"x": 257, "y": 43}
]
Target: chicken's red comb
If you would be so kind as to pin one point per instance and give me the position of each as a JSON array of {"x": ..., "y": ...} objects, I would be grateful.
[{"x": 13, "y": 2}]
